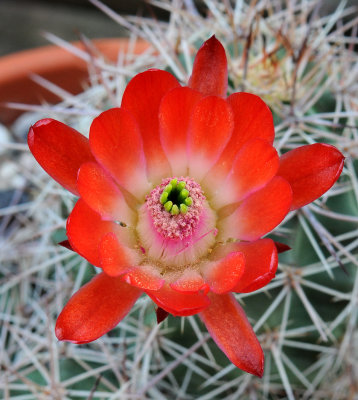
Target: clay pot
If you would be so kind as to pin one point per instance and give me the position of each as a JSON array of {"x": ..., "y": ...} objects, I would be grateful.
[{"x": 53, "y": 63}]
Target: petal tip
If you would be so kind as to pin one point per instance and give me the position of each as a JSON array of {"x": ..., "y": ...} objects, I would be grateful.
[
  {"x": 30, "y": 135},
  {"x": 59, "y": 333},
  {"x": 210, "y": 69},
  {"x": 259, "y": 371},
  {"x": 61, "y": 336},
  {"x": 44, "y": 121},
  {"x": 212, "y": 41},
  {"x": 66, "y": 244},
  {"x": 311, "y": 170},
  {"x": 60, "y": 150},
  {"x": 282, "y": 247},
  {"x": 62, "y": 333},
  {"x": 161, "y": 315},
  {"x": 32, "y": 129}
]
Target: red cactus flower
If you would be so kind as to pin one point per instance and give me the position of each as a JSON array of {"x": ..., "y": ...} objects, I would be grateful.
[{"x": 177, "y": 188}]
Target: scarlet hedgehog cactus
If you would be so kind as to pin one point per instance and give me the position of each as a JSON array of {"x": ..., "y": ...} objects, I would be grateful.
[{"x": 177, "y": 188}]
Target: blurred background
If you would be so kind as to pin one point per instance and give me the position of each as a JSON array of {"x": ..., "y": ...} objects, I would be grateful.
[
  {"x": 23, "y": 21},
  {"x": 315, "y": 293},
  {"x": 23, "y": 24}
]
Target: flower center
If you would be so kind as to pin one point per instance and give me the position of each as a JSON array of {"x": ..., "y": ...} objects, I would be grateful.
[
  {"x": 175, "y": 207},
  {"x": 176, "y": 225},
  {"x": 175, "y": 197}
]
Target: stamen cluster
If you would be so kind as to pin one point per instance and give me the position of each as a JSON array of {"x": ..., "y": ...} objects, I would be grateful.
[
  {"x": 175, "y": 207},
  {"x": 175, "y": 197}
]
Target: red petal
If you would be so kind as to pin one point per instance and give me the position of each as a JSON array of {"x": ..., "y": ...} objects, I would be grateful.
[
  {"x": 210, "y": 129},
  {"x": 142, "y": 98},
  {"x": 174, "y": 115},
  {"x": 210, "y": 69},
  {"x": 190, "y": 281},
  {"x": 116, "y": 259},
  {"x": 179, "y": 304},
  {"x": 85, "y": 229},
  {"x": 60, "y": 150},
  {"x": 161, "y": 315},
  {"x": 222, "y": 276},
  {"x": 144, "y": 277},
  {"x": 255, "y": 165},
  {"x": 228, "y": 325},
  {"x": 253, "y": 120},
  {"x": 95, "y": 309},
  {"x": 260, "y": 265},
  {"x": 259, "y": 213},
  {"x": 66, "y": 244},
  {"x": 282, "y": 247},
  {"x": 311, "y": 170},
  {"x": 117, "y": 145},
  {"x": 99, "y": 191}
]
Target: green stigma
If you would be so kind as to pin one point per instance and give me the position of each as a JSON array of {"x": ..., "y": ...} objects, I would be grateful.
[{"x": 175, "y": 197}]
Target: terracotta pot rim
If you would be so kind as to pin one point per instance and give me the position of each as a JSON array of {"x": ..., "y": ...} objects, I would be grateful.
[
  {"x": 51, "y": 57},
  {"x": 55, "y": 64}
]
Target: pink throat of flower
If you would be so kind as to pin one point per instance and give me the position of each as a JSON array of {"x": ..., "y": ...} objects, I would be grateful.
[{"x": 174, "y": 217}]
